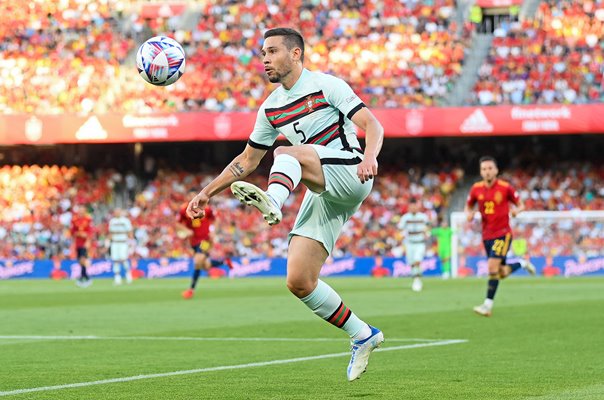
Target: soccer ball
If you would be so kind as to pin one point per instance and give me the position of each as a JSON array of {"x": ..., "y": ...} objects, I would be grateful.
[{"x": 160, "y": 61}]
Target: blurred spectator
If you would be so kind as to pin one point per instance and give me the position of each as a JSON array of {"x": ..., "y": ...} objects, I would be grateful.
[
  {"x": 393, "y": 53},
  {"x": 239, "y": 231},
  {"x": 557, "y": 57},
  {"x": 37, "y": 204}
]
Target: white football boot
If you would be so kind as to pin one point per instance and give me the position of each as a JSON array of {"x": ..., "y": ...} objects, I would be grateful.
[
  {"x": 528, "y": 266},
  {"x": 417, "y": 285},
  {"x": 252, "y": 195},
  {"x": 361, "y": 350},
  {"x": 483, "y": 310}
]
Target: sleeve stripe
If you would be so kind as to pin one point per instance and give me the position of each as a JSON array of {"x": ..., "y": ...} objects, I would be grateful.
[
  {"x": 354, "y": 110},
  {"x": 258, "y": 145}
]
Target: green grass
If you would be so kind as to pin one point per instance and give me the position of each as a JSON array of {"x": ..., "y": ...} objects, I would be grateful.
[{"x": 545, "y": 340}]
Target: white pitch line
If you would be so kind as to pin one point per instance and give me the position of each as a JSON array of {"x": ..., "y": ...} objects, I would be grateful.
[
  {"x": 197, "y": 339},
  {"x": 221, "y": 368}
]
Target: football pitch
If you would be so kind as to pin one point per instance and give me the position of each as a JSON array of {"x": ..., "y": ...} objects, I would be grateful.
[{"x": 251, "y": 339}]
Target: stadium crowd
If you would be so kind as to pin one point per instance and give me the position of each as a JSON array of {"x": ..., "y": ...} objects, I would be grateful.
[
  {"x": 39, "y": 201},
  {"x": 76, "y": 56},
  {"x": 565, "y": 187},
  {"x": 37, "y": 204},
  {"x": 562, "y": 237},
  {"x": 558, "y": 57},
  {"x": 568, "y": 186},
  {"x": 408, "y": 54}
]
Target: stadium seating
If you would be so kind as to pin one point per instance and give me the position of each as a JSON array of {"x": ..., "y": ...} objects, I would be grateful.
[
  {"x": 36, "y": 202},
  {"x": 569, "y": 186},
  {"x": 36, "y": 213},
  {"x": 409, "y": 54},
  {"x": 556, "y": 57}
]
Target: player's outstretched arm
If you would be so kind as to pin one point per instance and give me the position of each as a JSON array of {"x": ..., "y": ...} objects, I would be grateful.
[
  {"x": 183, "y": 230},
  {"x": 469, "y": 210},
  {"x": 241, "y": 166},
  {"x": 374, "y": 137},
  {"x": 518, "y": 208}
]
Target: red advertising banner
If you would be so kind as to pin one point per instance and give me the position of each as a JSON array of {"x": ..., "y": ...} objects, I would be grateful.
[
  {"x": 498, "y": 3},
  {"x": 208, "y": 126}
]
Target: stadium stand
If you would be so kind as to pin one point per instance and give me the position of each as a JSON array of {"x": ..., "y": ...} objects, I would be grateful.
[
  {"x": 37, "y": 201},
  {"x": 557, "y": 57},
  {"x": 409, "y": 54}
]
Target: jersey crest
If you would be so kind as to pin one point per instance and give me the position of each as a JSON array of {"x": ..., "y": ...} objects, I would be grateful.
[{"x": 309, "y": 104}]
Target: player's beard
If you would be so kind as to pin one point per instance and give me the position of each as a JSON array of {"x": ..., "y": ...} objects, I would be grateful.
[{"x": 278, "y": 76}]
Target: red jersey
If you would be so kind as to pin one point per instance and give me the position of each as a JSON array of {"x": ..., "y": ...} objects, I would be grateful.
[
  {"x": 81, "y": 229},
  {"x": 199, "y": 226},
  {"x": 494, "y": 206}
]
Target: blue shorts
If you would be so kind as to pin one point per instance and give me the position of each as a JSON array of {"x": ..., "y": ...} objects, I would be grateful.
[
  {"x": 81, "y": 252},
  {"x": 498, "y": 247}
]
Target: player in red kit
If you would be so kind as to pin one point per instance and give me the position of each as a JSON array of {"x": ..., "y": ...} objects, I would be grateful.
[
  {"x": 198, "y": 232},
  {"x": 81, "y": 231},
  {"x": 496, "y": 200}
]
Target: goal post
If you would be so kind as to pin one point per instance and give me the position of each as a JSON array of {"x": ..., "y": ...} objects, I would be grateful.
[{"x": 564, "y": 243}]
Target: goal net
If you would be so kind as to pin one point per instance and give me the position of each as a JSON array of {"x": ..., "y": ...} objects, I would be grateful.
[{"x": 566, "y": 243}]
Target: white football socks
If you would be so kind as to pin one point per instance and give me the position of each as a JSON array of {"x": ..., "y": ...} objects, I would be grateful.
[
  {"x": 327, "y": 304},
  {"x": 285, "y": 176}
]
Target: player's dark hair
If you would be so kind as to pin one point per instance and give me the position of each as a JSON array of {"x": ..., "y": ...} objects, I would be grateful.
[
  {"x": 291, "y": 38},
  {"x": 487, "y": 158},
  {"x": 413, "y": 200}
]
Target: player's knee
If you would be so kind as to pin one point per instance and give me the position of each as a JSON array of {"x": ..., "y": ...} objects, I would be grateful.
[
  {"x": 302, "y": 153},
  {"x": 281, "y": 150},
  {"x": 199, "y": 262},
  {"x": 299, "y": 287}
]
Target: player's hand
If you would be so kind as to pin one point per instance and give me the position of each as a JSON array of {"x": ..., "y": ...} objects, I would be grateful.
[
  {"x": 183, "y": 233},
  {"x": 470, "y": 216},
  {"x": 368, "y": 168},
  {"x": 197, "y": 205}
]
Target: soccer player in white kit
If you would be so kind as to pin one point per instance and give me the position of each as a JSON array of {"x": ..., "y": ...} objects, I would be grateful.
[
  {"x": 317, "y": 114},
  {"x": 120, "y": 230},
  {"x": 415, "y": 225}
]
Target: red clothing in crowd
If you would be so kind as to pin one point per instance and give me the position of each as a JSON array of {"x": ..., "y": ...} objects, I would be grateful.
[
  {"x": 199, "y": 226},
  {"x": 494, "y": 206}
]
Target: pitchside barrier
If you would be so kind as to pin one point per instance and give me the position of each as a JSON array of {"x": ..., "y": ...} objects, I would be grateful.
[
  {"x": 539, "y": 236},
  {"x": 377, "y": 267}
]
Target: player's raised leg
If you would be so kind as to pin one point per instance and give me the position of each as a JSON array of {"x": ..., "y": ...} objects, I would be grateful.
[
  {"x": 214, "y": 263},
  {"x": 507, "y": 270},
  {"x": 305, "y": 259},
  {"x": 291, "y": 165}
]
